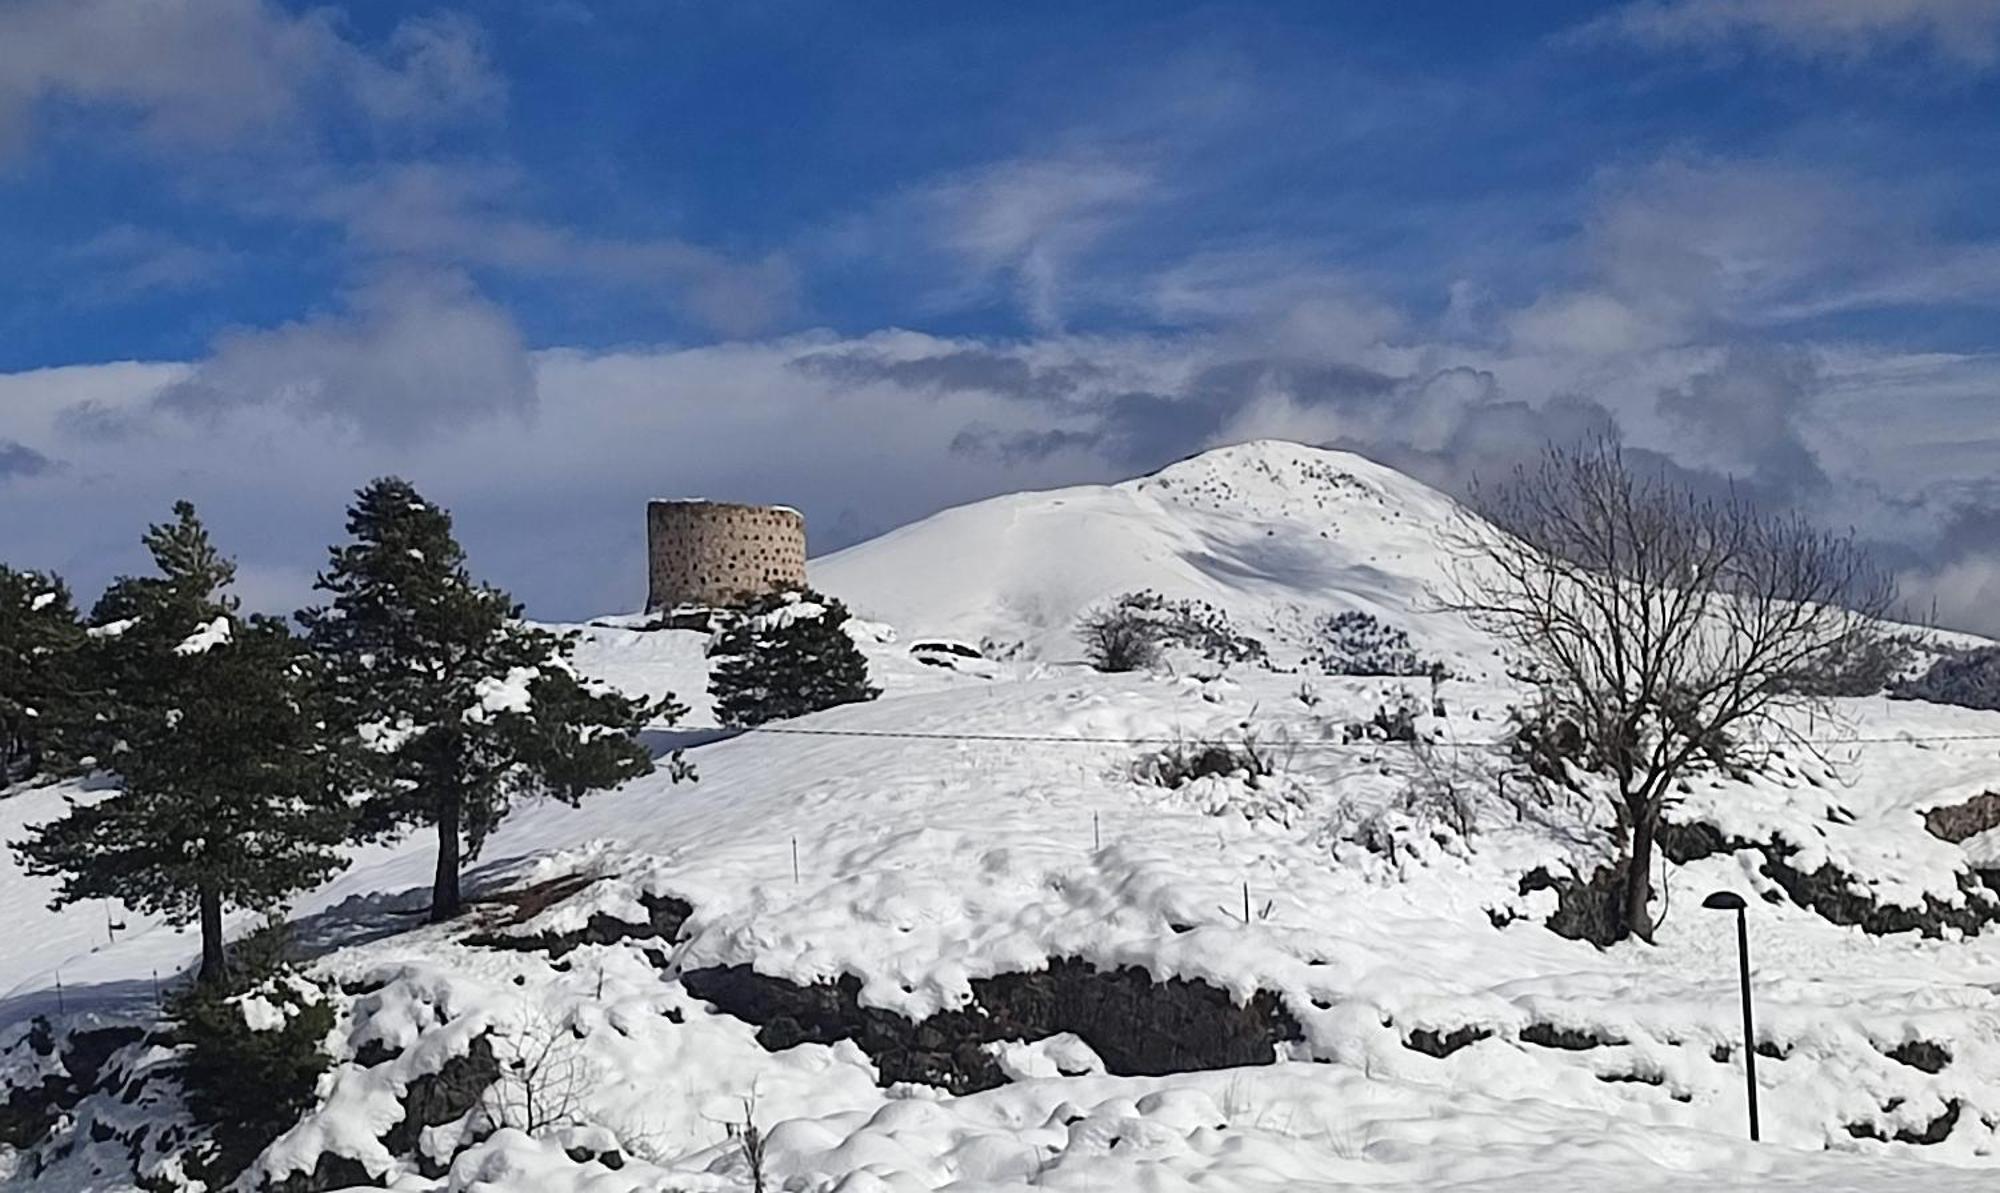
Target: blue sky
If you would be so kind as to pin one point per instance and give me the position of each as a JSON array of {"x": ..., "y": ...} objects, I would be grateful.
[{"x": 551, "y": 256}]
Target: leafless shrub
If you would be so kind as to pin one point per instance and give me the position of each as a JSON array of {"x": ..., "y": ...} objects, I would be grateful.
[
  {"x": 1130, "y": 634},
  {"x": 1666, "y": 627},
  {"x": 543, "y": 1083},
  {"x": 1119, "y": 639},
  {"x": 750, "y": 1143},
  {"x": 1395, "y": 720}
]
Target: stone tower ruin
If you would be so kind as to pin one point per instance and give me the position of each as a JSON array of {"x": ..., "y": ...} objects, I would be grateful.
[{"x": 714, "y": 552}]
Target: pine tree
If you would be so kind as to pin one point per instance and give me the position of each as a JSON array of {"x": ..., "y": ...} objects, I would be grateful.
[
  {"x": 463, "y": 708},
  {"x": 41, "y": 640},
  {"x": 228, "y": 792},
  {"x": 785, "y": 655}
]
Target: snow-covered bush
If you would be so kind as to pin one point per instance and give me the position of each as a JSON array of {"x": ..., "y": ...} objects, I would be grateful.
[
  {"x": 1392, "y": 721},
  {"x": 1358, "y": 643},
  {"x": 785, "y": 655},
  {"x": 1970, "y": 679},
  {"x": 1130, "y": 634},
  {"x": 1183, "y": 762},
  {"x": 253, "y": 1049},
  {"x": 1242, "y": 776}
]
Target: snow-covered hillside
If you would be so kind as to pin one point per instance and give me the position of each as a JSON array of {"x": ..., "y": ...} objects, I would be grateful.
[
  {"x": 1357, "y": 933},
  {"x": 1267, "y": 530}
]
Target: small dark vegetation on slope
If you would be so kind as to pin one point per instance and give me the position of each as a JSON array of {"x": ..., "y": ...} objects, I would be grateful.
[
  {"x": 1861, "y": 667},
  {"x": 1358, "y": 643},
  {"x": 1138, "y": 1026},
  {"x": 248, "y": 1078},
  {"x": 1968, "y": 679},
  {"x": 1131, "y": 633}
]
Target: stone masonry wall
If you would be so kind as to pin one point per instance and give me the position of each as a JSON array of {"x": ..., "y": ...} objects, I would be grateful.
[{"x": 712, "y": 552}]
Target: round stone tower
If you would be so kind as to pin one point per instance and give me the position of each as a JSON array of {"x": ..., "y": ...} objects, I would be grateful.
[{"x": 714, "y": 552}]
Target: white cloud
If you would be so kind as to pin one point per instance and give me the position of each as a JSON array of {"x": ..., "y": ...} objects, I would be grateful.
[
  {"x": 1280, "y": 295},
  {"x": 1028, "y": 220},
  {"x": 412, "y": 353},
  {"x": 213, "y": 73},
  {"x": 1686, "y": 249},
  {"x": 125, "y": 260},
  {"x": 1963, "y": 31},
  {"x": 466, "y": 213}
]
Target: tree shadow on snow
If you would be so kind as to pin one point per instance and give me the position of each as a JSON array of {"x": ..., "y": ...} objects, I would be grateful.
[{"x": 662, "y": 742}]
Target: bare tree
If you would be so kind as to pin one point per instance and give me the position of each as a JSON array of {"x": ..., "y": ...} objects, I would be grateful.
[{"x": 1668, "y": 630}]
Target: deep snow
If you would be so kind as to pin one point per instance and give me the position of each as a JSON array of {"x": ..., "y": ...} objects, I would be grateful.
[{"x": 980, "y": 819}]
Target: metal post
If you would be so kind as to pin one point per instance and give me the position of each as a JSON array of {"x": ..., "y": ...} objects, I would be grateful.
[
  {"x": 1749, "y": 1026},
  {"x": 1731, "y": 901}
]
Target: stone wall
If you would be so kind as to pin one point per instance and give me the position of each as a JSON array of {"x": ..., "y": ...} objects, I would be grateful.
[{"x": 713, "y": 552}]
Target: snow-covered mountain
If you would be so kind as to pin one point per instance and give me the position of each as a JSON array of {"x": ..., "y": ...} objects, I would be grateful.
[
  {"x": 1332, "y": 975},
  {"x": 1266, "y": 530}
]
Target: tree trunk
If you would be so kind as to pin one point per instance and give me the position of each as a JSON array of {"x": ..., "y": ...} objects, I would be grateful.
[
  {"x": 1639, "y": 875},
  {"x": 445, "y": 900},
  {"x": 214, "y": 959}
]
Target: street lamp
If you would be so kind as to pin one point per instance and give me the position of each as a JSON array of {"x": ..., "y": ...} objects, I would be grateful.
[{"x": 1730, "y": 901}]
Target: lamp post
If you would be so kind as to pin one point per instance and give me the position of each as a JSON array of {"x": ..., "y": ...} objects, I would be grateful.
[{"x": 1730, "y": 901}]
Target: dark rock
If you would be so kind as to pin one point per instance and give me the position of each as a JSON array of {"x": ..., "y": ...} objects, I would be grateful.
[
  {"x": 375, "y": 1052},
  {"x": 1834, "y": 894},
  {"x": 444, "y": 1096},
  {"x": 1432, "y": 1043},
  {"x": 1936, "y": 1131},
  {"x": 1137, "y": 1026},
  {"x": 1925, "y": 1055},
  {"x": 30, "y": 1111},
  {"x": 1684, "y": 843},
  {"x": 1548, "y": 1035},
  {"x": 1963, "y": 821},
  {"x": 609, "y": 1157},
  {"x": 1591, "y": 910},
  {"x": 664, "y": 917},
  {"x": 1635, "y": 1078},
  {"x": 85, "y": 1052},
  {"x": 332, "y": 1172}
]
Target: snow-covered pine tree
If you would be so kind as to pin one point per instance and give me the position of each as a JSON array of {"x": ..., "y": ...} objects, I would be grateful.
[
  {"x": 785, "y": 655},
  {"x": 229, "y": 793},
  {"x": 40, "y": 641},
  {"x": 462, "y": 707}
]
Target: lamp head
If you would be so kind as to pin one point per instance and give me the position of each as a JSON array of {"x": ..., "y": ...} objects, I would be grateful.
[{"x": 1724, "y": 901}]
